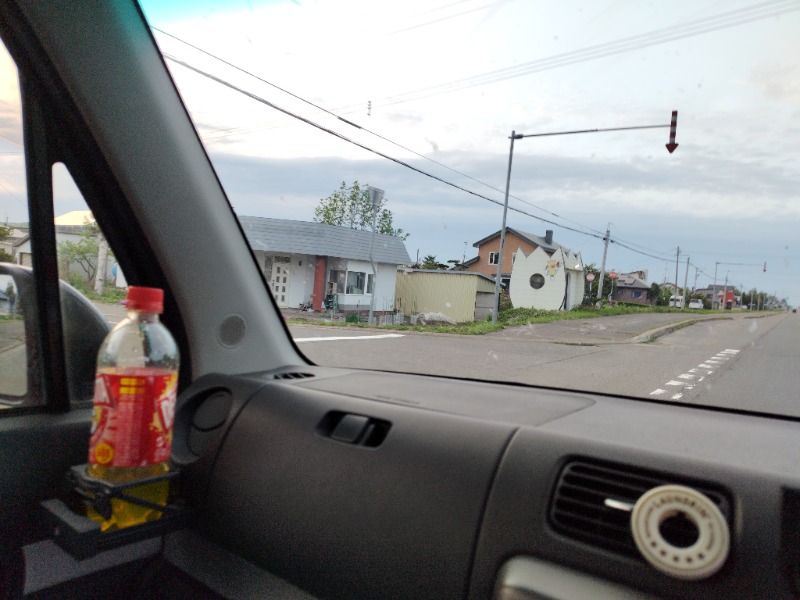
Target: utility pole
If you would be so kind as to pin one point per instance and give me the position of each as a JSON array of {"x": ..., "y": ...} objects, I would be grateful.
[
  {"x": 696, "y": 274},
  {"x": 496, "y": 309},
  {"x": 102, "y": 264},
  {"x": 677, "y": 258},
  {"x": 376, "y": 197},
  {"x": 603, "y": 264},
  {"x": 725, "y": 293},
  {"x": 685, "y": 283},
  {"x": 714, "y": 287}
]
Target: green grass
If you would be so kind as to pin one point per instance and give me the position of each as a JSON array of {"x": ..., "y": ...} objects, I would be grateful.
[{"x": 514, "y": 317}]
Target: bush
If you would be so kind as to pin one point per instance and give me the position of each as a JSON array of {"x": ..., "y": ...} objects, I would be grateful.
[{"x": 353, "y": 318}]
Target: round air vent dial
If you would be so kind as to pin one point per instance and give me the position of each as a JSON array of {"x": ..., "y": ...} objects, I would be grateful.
[{"x": 680, "y": 531}]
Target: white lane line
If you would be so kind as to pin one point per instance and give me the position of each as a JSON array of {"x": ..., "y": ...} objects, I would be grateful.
[
  {"x": 383, "y": 336},
  {"x": 688, "y": 378}
]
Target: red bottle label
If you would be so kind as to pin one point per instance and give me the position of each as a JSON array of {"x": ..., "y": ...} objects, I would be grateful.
[{"x": 132, "y": 418}]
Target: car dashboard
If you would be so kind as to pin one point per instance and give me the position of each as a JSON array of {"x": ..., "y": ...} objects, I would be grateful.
[{"x": 353, "y": 484}]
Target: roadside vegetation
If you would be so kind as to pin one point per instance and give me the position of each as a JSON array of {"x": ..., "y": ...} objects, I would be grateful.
[
  {"x": 111, "y": 294},
  {"x": 513, "y": 317}
]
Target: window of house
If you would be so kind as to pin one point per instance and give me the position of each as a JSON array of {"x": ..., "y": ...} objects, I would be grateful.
[
  {"x": 493, "y": 257},
  {"x": 356, "y": 282},
  {"x": 636, "y": 294}
]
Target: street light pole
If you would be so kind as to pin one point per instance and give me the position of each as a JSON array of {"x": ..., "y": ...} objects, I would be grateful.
[
  {"x": 514, "y": 136},
  {"x": 518, "y": 136}
]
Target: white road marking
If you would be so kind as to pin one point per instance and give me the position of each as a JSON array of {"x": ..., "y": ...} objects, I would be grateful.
[
  {"x": 337, "y": 338},
  {"x": 688, "y": 377}
]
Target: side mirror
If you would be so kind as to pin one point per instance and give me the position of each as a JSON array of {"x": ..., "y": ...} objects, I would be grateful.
[{"x": 84, "y": 330}]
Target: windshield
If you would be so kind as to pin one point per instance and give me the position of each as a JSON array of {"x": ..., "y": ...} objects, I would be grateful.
[{"x": 647, "y": 154}]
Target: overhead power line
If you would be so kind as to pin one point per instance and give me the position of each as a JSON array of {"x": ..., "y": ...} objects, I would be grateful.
[
  {"x": 717, "y": 22},
  {"x": 360, "y": 127},
  {"x": 397, "y": 160},
  {"x": 367, "y": 148}
]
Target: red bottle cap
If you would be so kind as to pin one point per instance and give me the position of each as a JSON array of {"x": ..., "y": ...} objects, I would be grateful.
[{"x": 146, "y": 299}]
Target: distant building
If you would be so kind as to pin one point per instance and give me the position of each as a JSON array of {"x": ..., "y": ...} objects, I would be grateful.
[{"x": 629, "y": 287}]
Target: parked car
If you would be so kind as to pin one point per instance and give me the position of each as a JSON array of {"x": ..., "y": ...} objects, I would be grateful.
[
  {"x": 695, "y": 304},
  {"x": 302, "y": 481}
]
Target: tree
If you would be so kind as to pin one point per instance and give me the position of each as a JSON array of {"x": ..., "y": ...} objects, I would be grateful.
[
  {"x": 431, "y": 262},
  {"x": 607, "y": 282},
  {"x": 84, "y": 252},
  {"x": 5, "y": 233},
  {"x": 351, "y": 207}
]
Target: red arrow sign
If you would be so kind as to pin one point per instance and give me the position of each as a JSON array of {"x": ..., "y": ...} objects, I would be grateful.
[{"x": 672, "y": 127}]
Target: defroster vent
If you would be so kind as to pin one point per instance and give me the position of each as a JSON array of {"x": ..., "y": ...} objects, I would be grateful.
[
  {"x": 592, "y": 503},
  {"x": 292, "y": 375}
]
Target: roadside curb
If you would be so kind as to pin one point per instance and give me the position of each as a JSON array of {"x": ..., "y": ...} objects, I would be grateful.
[{"x": 649, "y": 336}]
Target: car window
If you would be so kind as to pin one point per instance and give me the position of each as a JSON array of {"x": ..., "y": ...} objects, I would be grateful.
[
  {"x": 647, "y": 155},
  {"x": 90, "y": 301},
  {"x": 15, "y": 342}
]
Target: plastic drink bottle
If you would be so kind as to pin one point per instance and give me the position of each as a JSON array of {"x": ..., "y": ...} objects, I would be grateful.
[{"x": 134, "y": 404}]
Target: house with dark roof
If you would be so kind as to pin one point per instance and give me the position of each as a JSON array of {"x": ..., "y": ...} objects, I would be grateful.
[
  {"x": 630, "y": 287},
  {"x": 489, "y": 251},
  {"x": 306, "y": 262},
  {"x": 545, "y": 274}
]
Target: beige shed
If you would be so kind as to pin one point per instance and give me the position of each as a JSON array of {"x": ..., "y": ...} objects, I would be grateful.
[{"x": 461, "y": 295}]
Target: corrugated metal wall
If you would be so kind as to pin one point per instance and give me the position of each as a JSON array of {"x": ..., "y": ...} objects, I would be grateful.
[{"x": 449, "y": 294}]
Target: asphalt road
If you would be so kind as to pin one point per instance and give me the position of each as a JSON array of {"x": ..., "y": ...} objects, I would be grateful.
[{"x": 742, "y": 363}]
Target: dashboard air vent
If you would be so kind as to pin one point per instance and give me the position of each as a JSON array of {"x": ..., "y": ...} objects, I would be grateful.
[
  {"x": 293, "y": 375},
  {"x": 592, "y": 502}
]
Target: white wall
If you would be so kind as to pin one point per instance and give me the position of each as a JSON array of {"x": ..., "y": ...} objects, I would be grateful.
[
  {"x": 551, "y": 295},
  {"x": 302, "y": 283},
  {"x": 383, "y": 288}
]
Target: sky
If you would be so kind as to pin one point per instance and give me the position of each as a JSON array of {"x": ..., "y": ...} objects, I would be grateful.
[{"x": 448, "y": 81}]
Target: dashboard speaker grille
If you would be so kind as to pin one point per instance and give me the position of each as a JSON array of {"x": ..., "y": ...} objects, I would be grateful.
[{"x": 592, "y": 502}]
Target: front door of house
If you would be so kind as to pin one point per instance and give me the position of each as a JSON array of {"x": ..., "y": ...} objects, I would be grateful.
[{"x": 281, "y": 277}]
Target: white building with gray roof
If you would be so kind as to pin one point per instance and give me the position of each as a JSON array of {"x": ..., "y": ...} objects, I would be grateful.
[{"x": 306, "y": 262}]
